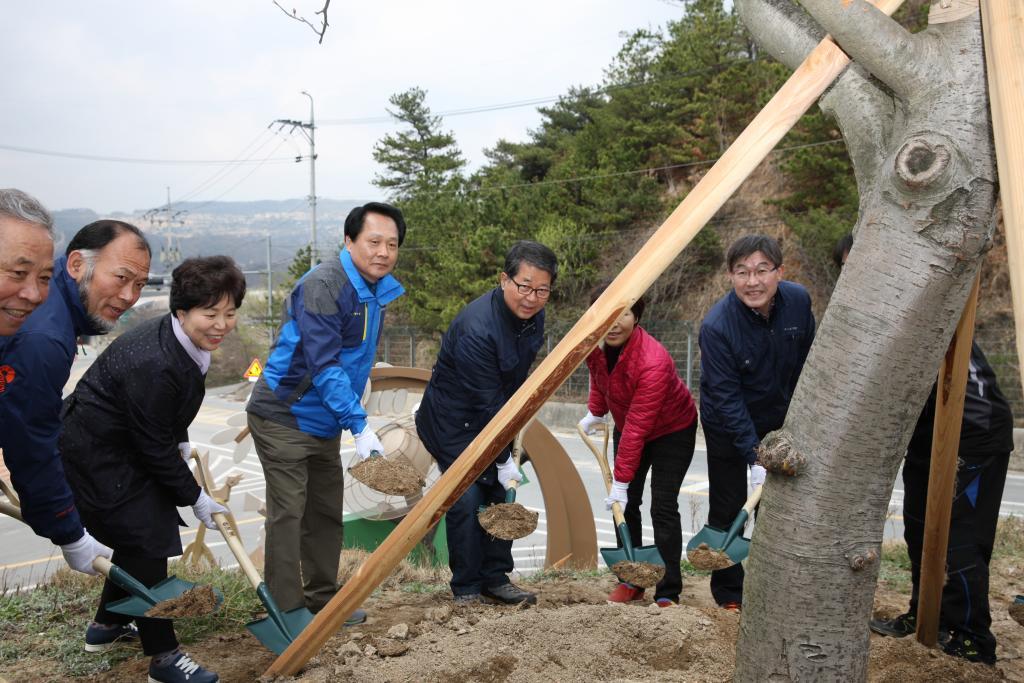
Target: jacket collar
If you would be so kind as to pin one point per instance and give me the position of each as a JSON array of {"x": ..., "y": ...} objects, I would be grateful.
[
  {"x": 67, "y": 289},
  {"x": 388, "y": 288}
]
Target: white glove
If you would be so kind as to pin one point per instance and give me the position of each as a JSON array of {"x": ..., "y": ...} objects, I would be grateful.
[
  {"x": 367, "y": 442},
  {"x": 508, "y": 472},
  {"x": 80, "y": 554},
  {"x": 589, "y": 423},
  {"x": 185, "y": 448},
  {"x": 205, "y": 507},
  {"x": 618, "y": 495},
  {"x": 757, "y": 474}
]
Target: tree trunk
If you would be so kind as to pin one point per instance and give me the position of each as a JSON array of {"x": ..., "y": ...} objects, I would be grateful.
[{"x": 913, "y": 111}]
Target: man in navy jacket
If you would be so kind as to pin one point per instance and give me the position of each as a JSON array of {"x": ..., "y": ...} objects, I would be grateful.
[
  {"x": 485, "y": 357},
  {"x": 753, "y": 344},
  {"x": 100, "y": 277}
]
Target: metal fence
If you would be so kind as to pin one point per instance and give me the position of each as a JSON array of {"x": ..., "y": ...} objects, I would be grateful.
[{"x": 408, "y": 346}]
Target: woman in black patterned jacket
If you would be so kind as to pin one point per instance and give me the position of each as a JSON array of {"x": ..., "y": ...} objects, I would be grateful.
[{"x": 124, "y": 436}]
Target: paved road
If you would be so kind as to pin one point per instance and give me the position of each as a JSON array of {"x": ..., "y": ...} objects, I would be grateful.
[{"x": 27, "y": 559}]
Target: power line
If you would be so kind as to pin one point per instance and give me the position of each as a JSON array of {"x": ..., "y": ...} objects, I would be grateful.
[{"x": 136, "y": 160}]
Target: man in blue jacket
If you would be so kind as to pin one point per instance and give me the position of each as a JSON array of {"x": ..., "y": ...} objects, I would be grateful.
[
  {"x": 26, "y": 259},
  {"x": 485, "y": 357},
  {"x": 101, "y": 276},
  {"x": 753, "y": 344},
  {"x": 309, "y": 393}
]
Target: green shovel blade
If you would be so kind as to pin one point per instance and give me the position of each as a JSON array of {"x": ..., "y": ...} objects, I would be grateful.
[
  {"x": 730, "y": 542},
  {"x": 144, "y": 599},
  {"x": 647, "y": 554},
  {"x": 278, "y": 636}
]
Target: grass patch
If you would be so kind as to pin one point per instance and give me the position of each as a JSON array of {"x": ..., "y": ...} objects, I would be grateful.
[
  {"x": 894, "y": 571},
  {"x": 50, "y": 621},
  {"x": 550, "y": 574},
  {"x": 1009, "y": 537}
]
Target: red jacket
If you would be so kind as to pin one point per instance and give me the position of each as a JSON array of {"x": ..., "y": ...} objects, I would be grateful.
[{"x": 645, "y": 395}]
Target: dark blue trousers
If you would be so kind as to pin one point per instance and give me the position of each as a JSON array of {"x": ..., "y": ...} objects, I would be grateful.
[{"x": 477, "y": 559}]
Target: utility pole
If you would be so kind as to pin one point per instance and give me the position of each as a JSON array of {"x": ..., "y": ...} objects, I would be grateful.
[
  {"x": 270, "y": 288},
  {"x": 309, "y": 130}
]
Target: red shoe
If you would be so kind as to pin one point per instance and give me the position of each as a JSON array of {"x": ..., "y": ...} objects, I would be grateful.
[
  {"x": 626, "y": 593},
  {"x": 732, "y": 606},
  {"x": 664, "y": 602}
]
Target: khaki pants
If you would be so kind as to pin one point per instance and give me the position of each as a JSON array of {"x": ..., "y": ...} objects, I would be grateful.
[{"x": 305, "y": 483}]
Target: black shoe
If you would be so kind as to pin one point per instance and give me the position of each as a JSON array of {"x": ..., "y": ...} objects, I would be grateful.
[
  {"x": 182, "y": 670},
  {"x": 509, "y": 594},
  {"x": 966, "y": 647},
  {"x": 466, "y": 599},
  {"x": 901, "y": 626},
  {"x": 99, "y": 639}
]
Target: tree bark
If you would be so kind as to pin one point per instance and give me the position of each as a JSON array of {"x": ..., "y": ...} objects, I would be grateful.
[{"x": 913, "y": 111}]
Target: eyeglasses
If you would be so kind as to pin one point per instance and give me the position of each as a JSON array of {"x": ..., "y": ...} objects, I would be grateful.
[
  {"x": 527, "y": 290},
  {"x": 759, "y": 273}
]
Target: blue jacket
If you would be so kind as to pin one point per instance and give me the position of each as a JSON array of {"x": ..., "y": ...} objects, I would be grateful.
[
  {"x": 38, "y": 362},
  {"x": 318, "y": 367},
  {"x": 749, "y": 366},
  {"x": 485, "y": 357}
]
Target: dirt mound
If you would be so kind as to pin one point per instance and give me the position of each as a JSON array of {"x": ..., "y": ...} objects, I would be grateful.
[
  {"x": 899, "y": 660},
  {"x": 393, "y": 477}
]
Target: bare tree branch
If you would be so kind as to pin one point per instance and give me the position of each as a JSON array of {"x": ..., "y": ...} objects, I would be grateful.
[
  {"x": 323, "y": 12},
  {"x": 892, "y": 54}
]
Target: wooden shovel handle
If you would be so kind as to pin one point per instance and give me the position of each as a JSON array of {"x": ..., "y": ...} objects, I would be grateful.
[
  {"x": 606, "y": 471},
  {"x": 517, "y": 456},
  {"x": 753, "y": 500},
  {"x": 228, "y": 531}
]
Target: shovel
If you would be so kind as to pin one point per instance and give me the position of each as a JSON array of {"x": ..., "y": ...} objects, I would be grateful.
[
  {"x": 645, "y": 558},
  {"x": 278, "y": 629},
  {"x": 722, "y": 549},
  {"x": 143, "y": 599},
  {"x": 511, "y": 520}
]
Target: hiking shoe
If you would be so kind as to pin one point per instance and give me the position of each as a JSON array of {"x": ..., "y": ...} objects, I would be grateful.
[
  {"x": 181, "y": 670},
  {"x": 466, "y": 599},
  {"x": 664, "y": 602},
  {"x": 101, "y": 638},
  {"x": 356, "y": 618},
  {"x": 732, "y": 606},
  {"x": 509, "y": 594},
  {"x": 966, "y": 647},
  {"x": 626, "y": 592},
  {"x": 898, "y": 627}
]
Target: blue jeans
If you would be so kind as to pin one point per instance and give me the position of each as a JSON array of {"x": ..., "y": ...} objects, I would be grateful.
[{"x": 477, "y": 559}]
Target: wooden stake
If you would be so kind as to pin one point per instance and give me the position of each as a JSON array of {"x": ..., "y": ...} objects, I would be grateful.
[
  {"x": 1002, "y": 23},
  {"x": 949, "y": 415},
  {"x": 822, "y": 66}
]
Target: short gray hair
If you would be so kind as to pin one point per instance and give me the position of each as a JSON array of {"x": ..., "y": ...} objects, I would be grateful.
[{"x": 23, "y": 207}]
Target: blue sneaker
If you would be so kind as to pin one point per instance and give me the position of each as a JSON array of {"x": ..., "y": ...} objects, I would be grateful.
[
  {"x": 181, "y": 670},
  {"x": 101, "y": 639}
]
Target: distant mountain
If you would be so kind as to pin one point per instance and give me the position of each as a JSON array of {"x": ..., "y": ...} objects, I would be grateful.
[{"x": 324, "y": 205}]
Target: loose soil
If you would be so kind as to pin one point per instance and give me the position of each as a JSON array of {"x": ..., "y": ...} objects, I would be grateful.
[
  {"x": 708, "y": 559},
  {"x": 572, "y": 634},
  {"x": 642, "y": 574},
  {"x": 393, "y": 477},
  {"x": 508, "y": 521},
  {"x": 1016, "y": 611},
  {"x": 195, "y": 602}
]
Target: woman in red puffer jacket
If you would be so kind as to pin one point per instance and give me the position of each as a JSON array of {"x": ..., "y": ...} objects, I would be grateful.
[{"x": 633, "y": 376}]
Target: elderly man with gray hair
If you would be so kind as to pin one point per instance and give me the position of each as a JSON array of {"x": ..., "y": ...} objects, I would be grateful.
[
  {"x": 101, "y": 276},
  {"x": 26, "y": 259}
]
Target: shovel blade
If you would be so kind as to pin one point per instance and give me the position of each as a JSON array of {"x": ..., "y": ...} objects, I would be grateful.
[
  {"x": 168, "y": 589},
  {"x": 715, "y": 539},
  {"x": 647, "y": 554},
  {"x": 273, "y": 637}
]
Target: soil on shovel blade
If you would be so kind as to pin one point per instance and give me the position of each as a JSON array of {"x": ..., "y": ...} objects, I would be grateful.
[
  {"x": 1016, "y": 611},
  {"x": 393, "y": 477},
  {"x": 708, "y": 559},
  {"x": 508, "y": 521},
  {"x": 642, "y": 574},
  {"x": 195, "y": 602}
]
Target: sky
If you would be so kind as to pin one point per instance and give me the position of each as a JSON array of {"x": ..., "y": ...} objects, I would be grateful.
[{"x": 195, "y": 80}]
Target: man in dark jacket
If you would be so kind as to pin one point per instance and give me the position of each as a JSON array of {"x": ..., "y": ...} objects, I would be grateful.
[
  {"x": 753, "y": 344},
  {"x": 100, "y": 277},
  {"x": 485, "y": 357},
  {"x": 26, "y": 260}
]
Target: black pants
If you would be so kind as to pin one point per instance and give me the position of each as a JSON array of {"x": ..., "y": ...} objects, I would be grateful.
[
  {"x": 667, "y": 458},
  {"x": 727, "y": 492},
  {"x": 972, "y": 531},
  {"x": 157, "y": 635},
  {"x": 477, "y": 559}
]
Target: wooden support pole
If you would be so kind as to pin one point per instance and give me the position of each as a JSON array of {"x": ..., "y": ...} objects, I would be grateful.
[
  {"x": 949, "y": 415},
  {"x": 822, "y": 66},
  {"x": 1002, "y": 24}
]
